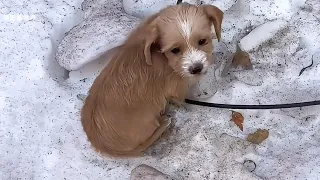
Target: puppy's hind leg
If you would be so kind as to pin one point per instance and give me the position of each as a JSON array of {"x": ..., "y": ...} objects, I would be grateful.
[{"x": 164, "y": 123}]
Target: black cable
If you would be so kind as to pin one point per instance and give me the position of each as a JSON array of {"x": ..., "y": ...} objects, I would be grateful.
[{"x": 273, "y": 106}]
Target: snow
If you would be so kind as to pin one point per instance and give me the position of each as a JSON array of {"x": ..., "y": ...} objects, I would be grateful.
[
  {"x": 97, "y": 33},
  {"x": 145, "y": 8},
  {"x": 40, "y": 129}
]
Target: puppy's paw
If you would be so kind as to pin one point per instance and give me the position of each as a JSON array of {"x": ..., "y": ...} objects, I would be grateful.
[
  {"x": 176, "y": 103},
  {"x": 167, "y": 121}
]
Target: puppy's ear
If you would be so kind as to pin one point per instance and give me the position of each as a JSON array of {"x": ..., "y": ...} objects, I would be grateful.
[
  {"x": 151, "y": 35},
  {"x": 216, "y": 16}
]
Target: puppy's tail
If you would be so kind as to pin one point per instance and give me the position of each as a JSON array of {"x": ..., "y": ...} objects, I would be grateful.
[{"x": 94, "y": 135}]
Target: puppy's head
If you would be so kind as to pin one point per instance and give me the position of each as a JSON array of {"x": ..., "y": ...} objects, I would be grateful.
[{"x": 184, "y": 35}]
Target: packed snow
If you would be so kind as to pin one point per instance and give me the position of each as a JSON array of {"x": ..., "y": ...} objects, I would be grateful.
[{"x": 40, "y": 129}]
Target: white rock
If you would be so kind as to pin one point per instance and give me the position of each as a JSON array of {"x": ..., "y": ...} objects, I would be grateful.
[
  {"x": 261, "y": 34},
  {"x": 145, "y": 8},
  {"x": 92, "y": 37}
]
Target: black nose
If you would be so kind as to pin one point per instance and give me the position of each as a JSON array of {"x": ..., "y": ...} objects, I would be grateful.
[{"x": 196, "y": 68}]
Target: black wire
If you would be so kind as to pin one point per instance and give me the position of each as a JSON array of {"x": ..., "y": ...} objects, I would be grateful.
[{"x": 273, "y": 106}]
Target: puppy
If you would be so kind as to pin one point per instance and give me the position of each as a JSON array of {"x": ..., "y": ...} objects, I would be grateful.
[{"x": 165, "y": 55}]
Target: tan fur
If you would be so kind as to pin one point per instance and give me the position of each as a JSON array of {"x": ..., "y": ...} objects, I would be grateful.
[{"x": 122, "y": 113}]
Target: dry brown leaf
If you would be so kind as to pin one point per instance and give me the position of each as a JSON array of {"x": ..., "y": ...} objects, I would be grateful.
[
  {"x": 259, "y": 136},
  {"x": 241, "y": 58},
  {"x": 237, "y": 118}
]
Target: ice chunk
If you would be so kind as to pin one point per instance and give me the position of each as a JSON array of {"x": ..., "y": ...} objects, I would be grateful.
[{"x": 261, "y": 34}]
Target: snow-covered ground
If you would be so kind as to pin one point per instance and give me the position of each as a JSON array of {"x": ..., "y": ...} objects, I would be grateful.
[{"x": 40, "y": 131}]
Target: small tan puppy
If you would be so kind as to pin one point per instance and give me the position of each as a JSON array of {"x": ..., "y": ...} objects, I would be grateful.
[{"x": 159, "y": 61}]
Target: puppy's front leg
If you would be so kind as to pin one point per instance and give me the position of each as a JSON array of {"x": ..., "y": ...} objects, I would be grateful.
[{"x": 177, "y": 95}]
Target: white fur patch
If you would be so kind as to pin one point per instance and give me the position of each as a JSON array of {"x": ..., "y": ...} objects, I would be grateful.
[
  {"x": 186, "y": 28},
  {"x": 193, "y": 56}
]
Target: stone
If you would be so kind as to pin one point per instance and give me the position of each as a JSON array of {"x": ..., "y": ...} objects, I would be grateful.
[{"x": 145, "y": 172}]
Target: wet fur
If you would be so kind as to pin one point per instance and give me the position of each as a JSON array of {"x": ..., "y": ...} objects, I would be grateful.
[{"x": 122, "y": 114}]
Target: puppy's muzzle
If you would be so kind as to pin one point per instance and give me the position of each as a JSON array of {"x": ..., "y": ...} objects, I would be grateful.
[{"x": 196, "y": 68}]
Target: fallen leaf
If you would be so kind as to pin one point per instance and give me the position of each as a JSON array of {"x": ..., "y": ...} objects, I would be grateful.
[
  {"x": 259, "y": 136},
  {"x": 237, "y": 118},
  {"x": 241, "y": 58}
]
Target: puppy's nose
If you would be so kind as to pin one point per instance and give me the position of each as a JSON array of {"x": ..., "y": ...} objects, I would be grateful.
[{"x": 196, "y": 68}]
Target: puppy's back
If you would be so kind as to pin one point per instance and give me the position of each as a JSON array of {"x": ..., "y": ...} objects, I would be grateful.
[{"x": 123, "y": 101}]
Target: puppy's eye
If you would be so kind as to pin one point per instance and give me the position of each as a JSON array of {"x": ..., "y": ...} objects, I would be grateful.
[
  {"x": 202, "y": 42},
  {"x": 175, "y": 50}
]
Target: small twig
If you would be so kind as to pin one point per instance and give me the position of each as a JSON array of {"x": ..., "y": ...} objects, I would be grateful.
[{"x": 303, "y": 69}]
